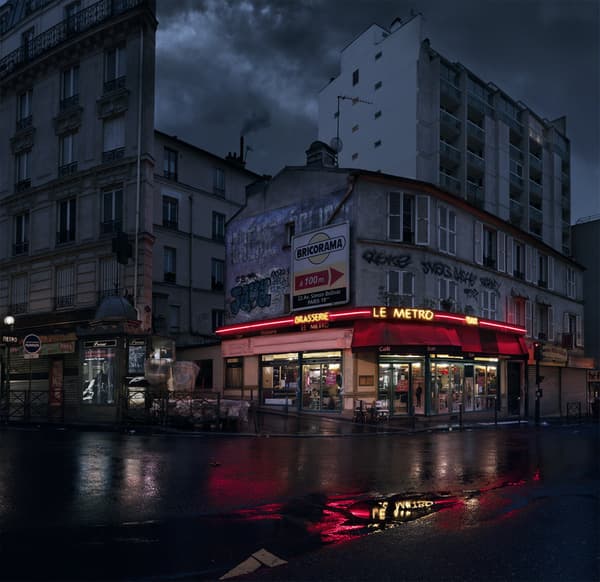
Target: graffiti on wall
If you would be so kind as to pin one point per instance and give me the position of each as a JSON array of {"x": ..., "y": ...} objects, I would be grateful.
[
  {"x": 256, "y": 292},
  {"x": 380, "y": 258},
  {"x": 443, "y": 270}
]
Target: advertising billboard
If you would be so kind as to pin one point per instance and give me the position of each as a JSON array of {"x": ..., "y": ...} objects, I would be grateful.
[{"x": 320, "y": 270}]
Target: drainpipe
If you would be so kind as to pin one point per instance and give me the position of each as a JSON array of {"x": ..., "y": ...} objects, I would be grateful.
[
  {"x": 190, "y": 298},
  {"x": 138, "y": 185}
]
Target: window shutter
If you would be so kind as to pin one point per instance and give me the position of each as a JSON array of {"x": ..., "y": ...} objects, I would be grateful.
[
  {"x": 529, "y": 318},
  {"x": 478, "y": 243},
  {"x": 509, "y": 254},
  {"x": 501, "y": 252},
  {"x": 422, "y": 220},
  {"x": 550, "y": 273},
  {"x": 578, "y": 331},
  {"x": 550, "y": 323}
]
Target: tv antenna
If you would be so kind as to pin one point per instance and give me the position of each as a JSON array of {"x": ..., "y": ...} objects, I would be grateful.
[{"x": 336, "y": 142}]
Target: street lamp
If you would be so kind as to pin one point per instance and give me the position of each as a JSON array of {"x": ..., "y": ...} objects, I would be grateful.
[{"x": 9, "y": 321}]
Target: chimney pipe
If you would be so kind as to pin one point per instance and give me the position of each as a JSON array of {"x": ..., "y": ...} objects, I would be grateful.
[{"x": 242, "y": 148}]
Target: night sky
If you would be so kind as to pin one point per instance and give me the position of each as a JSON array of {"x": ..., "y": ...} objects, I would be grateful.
[{"x": 256, "y": 66}]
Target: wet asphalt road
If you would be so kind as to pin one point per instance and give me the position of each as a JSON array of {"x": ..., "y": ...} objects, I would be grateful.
[{"x": 101, "y": 505}]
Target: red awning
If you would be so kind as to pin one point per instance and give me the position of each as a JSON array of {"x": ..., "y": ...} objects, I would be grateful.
[
  {"x": 369, "y": 333},
  {"x": 486, "y": 341}
]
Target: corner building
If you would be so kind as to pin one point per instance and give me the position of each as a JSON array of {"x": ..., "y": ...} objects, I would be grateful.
[{"x": 346, "y": 285}]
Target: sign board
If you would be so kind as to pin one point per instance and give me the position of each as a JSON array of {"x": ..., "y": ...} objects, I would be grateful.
[
  {"x": 320, "y": 267},
  {"x": 32, "y": 344},
  {"x": 551, "y": 353}
]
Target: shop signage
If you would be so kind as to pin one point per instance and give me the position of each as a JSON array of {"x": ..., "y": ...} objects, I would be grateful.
[
  {"x": 406, "y": 313},
  {"x": 470, "y": 320},
  {"x": 10, "y": 339},
  {"x": 552, "y": 353},
  {"x": 311, "y": 318},
  {"x": 320, "y": 264},
  {"x": 32, "y": 344},
  {"x": 593, "y": 375},
  {"x": 101, "y": 344}
]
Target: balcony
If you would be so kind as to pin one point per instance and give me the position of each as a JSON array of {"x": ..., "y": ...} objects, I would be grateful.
[
  {"x": 535, "y": 164},
  {"x": 479, "y": 107},
  {"x": 17, "y": 308},
  {"x": 169, "y": 277},
  {"x": 516, "y": 213},
  {"x": 475, "y": 194},
  {"x": 113, "y": 155},
  {"x": 519, "y": 275},
  {"x": 475, "y": 134},
  {"x": 67, "y": 169},
  {"x": 449, "y": 125},
  {"x": 69, "y": 102},
  {"x": 21, "y": 248},
  {"x": 475, "y": 162},
  {"x": 65, "y": 236},
  {"x": 516, "y": 181},
  {"x": 114, "y": 84},
  {"x": 449, "y": 154},
  {"x": 110, "y": 226},
  {"x": 535, "y": 189},
  {"x": 515, "y": 153},
  {"x": 167, "y": 223},
  {"x": 82, "y": 21},
  {"x": 24, "y": 123},
  {"x": 23, "y": 185},
  {"x": 542, "y": 283},
  {"x": 450, "y": 96},
  {"x": 567, "y": 341},
  {"x": 489, "y": 262},
  {"x": 63, "y": 301},
  {"x": 450, "y": 183},
  {"x": 170, "y": 175}
]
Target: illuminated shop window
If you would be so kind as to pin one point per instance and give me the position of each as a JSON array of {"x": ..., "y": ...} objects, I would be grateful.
[{"x": 99, "y": 375}]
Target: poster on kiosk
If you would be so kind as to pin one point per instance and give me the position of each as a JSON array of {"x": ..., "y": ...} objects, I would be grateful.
[{"x": 320, "y": 267}]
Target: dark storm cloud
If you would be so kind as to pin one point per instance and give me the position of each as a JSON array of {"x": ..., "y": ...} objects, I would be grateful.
[{"x": 223, "y": 63}]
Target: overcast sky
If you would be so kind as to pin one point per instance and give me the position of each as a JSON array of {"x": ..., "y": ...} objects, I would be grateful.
[{"x": 227, "y": 66}]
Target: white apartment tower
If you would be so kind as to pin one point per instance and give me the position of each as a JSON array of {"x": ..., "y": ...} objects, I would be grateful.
[{"x": 401, "y": 108}]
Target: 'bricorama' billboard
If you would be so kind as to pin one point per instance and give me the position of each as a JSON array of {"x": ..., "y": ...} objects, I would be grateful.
[{"x": 320, "y": 267}]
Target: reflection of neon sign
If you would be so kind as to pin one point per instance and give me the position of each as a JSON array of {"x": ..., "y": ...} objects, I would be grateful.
[
  {"x": 311, "y": 318},
  {"x": 399, "y": 509},
  {"x": 402, "y": 313}
]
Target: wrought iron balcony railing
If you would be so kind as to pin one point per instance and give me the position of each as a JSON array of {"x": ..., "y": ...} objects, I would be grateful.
[{"x": 82, "y": 21}]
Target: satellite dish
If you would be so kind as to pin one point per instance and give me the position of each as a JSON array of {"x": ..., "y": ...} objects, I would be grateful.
[{"x": 336, "y": 144}]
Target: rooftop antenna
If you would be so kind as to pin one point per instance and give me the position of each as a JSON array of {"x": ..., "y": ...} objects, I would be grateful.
[{"x": 336, "y": 143}]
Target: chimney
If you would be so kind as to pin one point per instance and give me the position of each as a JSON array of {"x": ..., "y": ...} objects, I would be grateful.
[
  {"x": 320, "y": 154},
  {"x": 242, "y": 149}
]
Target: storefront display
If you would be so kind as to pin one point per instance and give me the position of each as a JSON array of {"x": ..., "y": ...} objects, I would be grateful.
[{"x": 99, "y": 374}]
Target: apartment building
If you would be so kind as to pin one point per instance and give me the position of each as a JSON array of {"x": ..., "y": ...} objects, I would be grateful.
[
  {"x": 111, "y": 233},
  {"x": 399, "y": 107},
  {"x": 346, "y": 285}
]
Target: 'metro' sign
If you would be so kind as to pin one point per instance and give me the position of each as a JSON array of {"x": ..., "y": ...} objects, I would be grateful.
[{"x": 320, "y": 267}]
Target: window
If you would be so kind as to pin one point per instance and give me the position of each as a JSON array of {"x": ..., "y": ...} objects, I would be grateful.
[
  {"x": 377, "y": 143},
  {"x": 488, "y": 303},
  {"x": 218, "y": 318},
  {"x": 114, "y": 139},
  {"x": 571, "y": 287},
  {"x": 377, "y": 114},
  {"x": 542, "y": 270},
  {"x": 217, "y": 275},
  {"x": 22, "y": 170},
  {"x": 519, "y": 260},
  {"x": 355, "y": 77},
  {"x": 114, "y": 69},
  {"x": 70, "y": 11},
  {"x": 489, "y": 247},
  {"x": 516, "y": 311},
  {"x": 27, "y": 43},
  {"x": 355, "y": 156},
  {"x": 408, "y": 218},
  {"x": 66, "y": 221},
  {"x": 70, "y": 88},
  {"x": 169, "y": 264},
  {"x": 170, "y": 164},
  {"x": 170, "y": 211},
  {"x": 447, "y": 294},
  {"x": 355, "y": 128},
  {"x": 18, "y": 294},
  {"x": 378, "y": 55},
  {"x": 109, "y": 277},
  {"x": 21, "y": 234},
  {"x": 67, "y": 163},
  {"x": 218, "y": 226},
  {"x": 112, "y": 211},
  {"x": 24, "y": 109},
  {"x": 544, "y": 322},
  {"x": 400, "y": 289},
  {"x": 377, "y": 85},
  {"x": 447, "y": 230},
  {"x": 204, "y": 378},
  {"x": 290, "y": 232},
  {"x": 65, "y": 287},
  {"x": 219, "y": 180},
  {"x": 174, "y": 318}
]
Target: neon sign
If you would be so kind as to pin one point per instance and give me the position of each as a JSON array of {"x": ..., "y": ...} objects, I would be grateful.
[
  {"x": 311, "y": 318},
  {"x": 406, "y": 313}
]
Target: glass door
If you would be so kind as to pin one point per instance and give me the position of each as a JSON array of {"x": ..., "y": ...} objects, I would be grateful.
[
  {"x": 401, "y": 384},
  {"x": 322, "y": 384}
]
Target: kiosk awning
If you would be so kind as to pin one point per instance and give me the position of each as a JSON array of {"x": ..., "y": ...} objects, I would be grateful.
[
  {"x": 490, "y": 342},
  {"x": 370, "y": 333}
]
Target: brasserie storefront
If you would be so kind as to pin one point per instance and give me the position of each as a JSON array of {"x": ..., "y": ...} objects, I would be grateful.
[{"x": 406, "y": 361}]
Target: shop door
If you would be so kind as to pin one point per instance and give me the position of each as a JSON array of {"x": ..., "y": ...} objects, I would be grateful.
[
  {"x": 401, "y": 383},
  {"x": 514, "y": 387},
  {"x": 322, "y": 386}
]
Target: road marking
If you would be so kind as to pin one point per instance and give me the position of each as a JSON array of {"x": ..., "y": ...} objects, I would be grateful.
[{"x": 254, "y": 562}]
